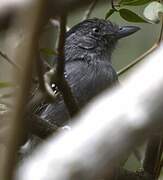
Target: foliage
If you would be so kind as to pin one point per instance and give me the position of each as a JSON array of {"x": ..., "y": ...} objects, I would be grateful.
[
  {"x": 150, "y": 12},
  {"x": 48, "y": 51}
]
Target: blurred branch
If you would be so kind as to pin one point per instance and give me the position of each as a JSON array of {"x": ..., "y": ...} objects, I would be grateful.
[
  {"x": 40, "y": 72},
  {"x": 136, "y": 61},
  {"x": 152, "y": 162},
  {"x": 6, "y": 19},
  {"x": 133, "y": 116},
  {"x": 59, "y": 76},
  {"x": 161, "y": 165},
  {"x": 112, "y": 5},
  {"x": 9, "y": 60},
  {"x": 149, "y": 51},
  {"x": 159, "y": 159},
  {"x": 90, "y": 9},
  {"x": 4, "y": 123},
  {"x": 24, "y": 54},
  {"x": 56, "y": 74},
  {"x": 153, "y": 155},
  {"x": 61, "y": 55}
]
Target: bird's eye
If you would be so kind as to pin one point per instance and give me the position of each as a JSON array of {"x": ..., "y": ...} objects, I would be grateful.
[{"x": 96, "y": 30}]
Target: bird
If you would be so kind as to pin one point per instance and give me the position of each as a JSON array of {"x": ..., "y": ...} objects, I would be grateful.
[{"x": 88, "y": 66}]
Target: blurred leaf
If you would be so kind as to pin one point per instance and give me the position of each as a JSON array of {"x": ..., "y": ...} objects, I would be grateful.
[
  {"x": 125, "y": 1},
  {"x": 151, "y": 12},
  {"x": 130, "y": 16},
  {"x": 109, "y": 13},
  {"x": 49, "y": 52},
  {"x": 134, "y": 2},
  {"x": 5, "y": 84},
  {"x": 3, "y": 96},
  {"x": 3, "y": 109}
]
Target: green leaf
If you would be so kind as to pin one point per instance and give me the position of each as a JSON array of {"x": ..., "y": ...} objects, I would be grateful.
[
  {"x": 151, "y": 12},
  {"x": 130, "y": 16},
  {"x": 48, "y": 51},
  {"x": 109, "y": 13},
  {"x": 125, "y": 1},
  {"x": 134, "y": 2},
  {"x": 5, "y": 84}
]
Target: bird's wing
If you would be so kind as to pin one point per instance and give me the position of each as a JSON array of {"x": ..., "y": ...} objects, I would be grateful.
[{"x": 87, "y": 79}]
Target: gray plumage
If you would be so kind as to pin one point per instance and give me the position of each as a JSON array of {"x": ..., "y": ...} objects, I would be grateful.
[{"x": 88, "y": 68}]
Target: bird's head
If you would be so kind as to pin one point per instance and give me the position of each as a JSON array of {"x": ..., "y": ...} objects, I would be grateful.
[{"x": 97, "y": 35}]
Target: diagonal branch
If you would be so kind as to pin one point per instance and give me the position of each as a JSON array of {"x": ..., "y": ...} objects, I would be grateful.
[
  {"x": 90, "y": 9},
  {"x": 149, "y": 51},
  {"x": 9, "y": 60},
  {"x": 126, "y": 116},
  {"x": 61, "y": 81}
]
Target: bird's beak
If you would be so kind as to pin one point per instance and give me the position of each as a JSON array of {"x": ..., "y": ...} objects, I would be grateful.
[{"x": 126, "y": 31}]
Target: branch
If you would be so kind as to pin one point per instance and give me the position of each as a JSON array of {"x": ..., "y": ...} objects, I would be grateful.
[
  {"x": 40, "y": 73},
  {"x": 106, "y": 132},
  {"x": 112, "y": 5},
  {"x": 61, "y": 81},
  {"x": 10, "y": 61},
  {"x": 153, "y": 155},
  {"x": 159, "y": 159},
  {"x": 90, "y": 9},
  {"x": 149, "y": 51},
  {"x": 61, "y": 54},
  {"x": 24, "y": 54}
]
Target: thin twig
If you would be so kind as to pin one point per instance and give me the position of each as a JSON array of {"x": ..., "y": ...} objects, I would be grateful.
[
  {"x": 9, "y": 60},
  {"x": 61, "y": 82},
  {"x": 152, "y": 163},
  {"x": 61, "y": 54},
  {"x": 136, "y": 61},
  {"x": 153, "y": 154},
  {"x": 113, "y": 5},
  {"x": 159, "y": 166},
  {"x": 90, "y": 10},
  {"x": 149, "y": 51},
  {"x": 161, "y": 31},
  {"x": 40, "y": 72},
  {"x": 42, "y": 67}
]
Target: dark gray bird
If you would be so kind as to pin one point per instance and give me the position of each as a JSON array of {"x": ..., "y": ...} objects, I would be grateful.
[
  {"x": 88, "y": 67},
  {"x": 88, "y": 70}
]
